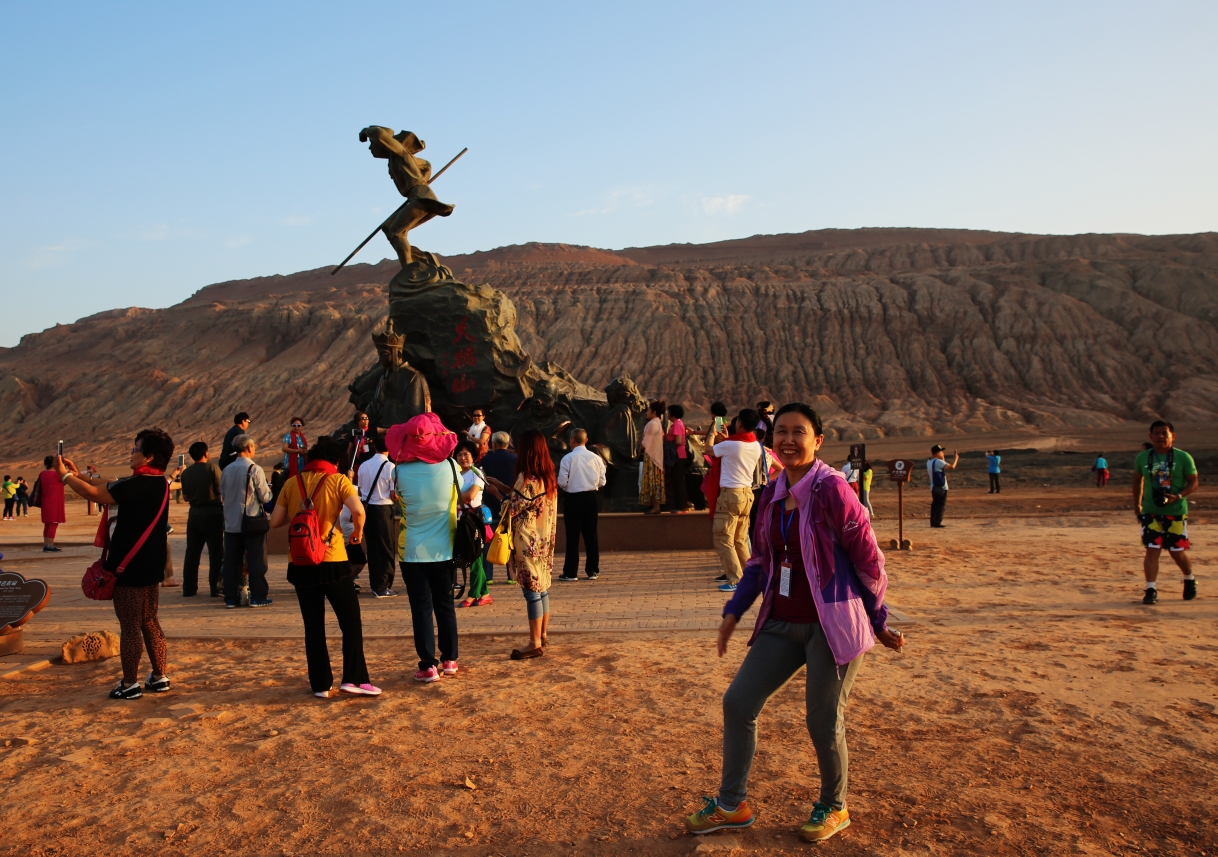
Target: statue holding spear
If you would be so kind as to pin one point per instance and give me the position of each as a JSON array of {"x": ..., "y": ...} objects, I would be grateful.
[{"x": 412, "y": 177}]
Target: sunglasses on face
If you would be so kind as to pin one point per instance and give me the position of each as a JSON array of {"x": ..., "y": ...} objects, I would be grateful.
[{"x": 297, "y": 425}]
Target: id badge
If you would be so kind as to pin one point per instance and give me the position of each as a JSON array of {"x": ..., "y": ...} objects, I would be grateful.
[{"x": 784, "y": 580}]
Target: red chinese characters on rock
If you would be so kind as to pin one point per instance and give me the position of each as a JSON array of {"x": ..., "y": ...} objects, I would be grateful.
[
  {"x": 461, "y": 358},
  {"x": 463, "y": 334}
]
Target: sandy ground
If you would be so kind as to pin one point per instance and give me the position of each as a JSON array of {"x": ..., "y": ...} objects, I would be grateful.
[{"x": 1039, "y": 709}]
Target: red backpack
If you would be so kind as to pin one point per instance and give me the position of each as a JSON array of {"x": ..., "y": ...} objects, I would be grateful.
[{"x": 305, "y": 544}]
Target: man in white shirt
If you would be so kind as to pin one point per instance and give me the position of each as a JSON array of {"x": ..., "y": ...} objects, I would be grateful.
[
  {"x": 738, "y": 457},
  {"x": 375, "y": 479},
  {"x": 580, "y": 474},
  {"x": 937, "y": 467}
]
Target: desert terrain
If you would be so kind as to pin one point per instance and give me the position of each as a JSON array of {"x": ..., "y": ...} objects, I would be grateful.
[
  {"x": 1038, "y": 708},
  {"x": 888, "y": 332}
]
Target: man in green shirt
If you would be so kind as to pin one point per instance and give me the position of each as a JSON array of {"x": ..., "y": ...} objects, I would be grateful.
[
  {"x": 205, "y": 523},
  {"x": 1163, "y": 477}
]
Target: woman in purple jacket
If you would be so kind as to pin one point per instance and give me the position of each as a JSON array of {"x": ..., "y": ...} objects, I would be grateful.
[{"x": 820, "y": 574}]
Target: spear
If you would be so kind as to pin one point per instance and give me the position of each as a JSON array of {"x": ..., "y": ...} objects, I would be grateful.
[{"x": 390, "y": 217}]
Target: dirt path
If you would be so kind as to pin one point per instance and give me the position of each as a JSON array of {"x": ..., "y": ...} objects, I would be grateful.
[{"x": 1039, "y": 709}]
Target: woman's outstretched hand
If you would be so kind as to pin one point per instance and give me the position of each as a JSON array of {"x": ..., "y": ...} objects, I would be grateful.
[
  {"x": 65, "y": 465},
  {"x": 726, "y": 627},
  {"x": 892, "y": 639}
]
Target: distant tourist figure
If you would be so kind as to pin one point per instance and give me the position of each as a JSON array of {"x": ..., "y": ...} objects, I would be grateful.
[
  {"x": 729, "y": 490},
  {"x": 204, "y": 523},
  {"x": 937, "y": 467},
  {"x": 818, "y": 612},
  {"x": 278, "y": 477},
  {"x": 765, "y": 423},
  {"x": 474, "y": 487},
  {"x": 651, "y": 483},
  {"x": 993, "y": 466},
  {"x": 376, "y": 490},
  {"x": 852, "y": 477},
  {"x": 676, "y": 462},
  {"x": 10, "y": 497},
  {"x": 22, "y": 498},
  {"x": 138, "y": 511},
  {"x": 533, "y": 505},
  {"x": 480, "y": 434},
  {"x": 295, "y": 445},
  {"x": 332, "y": 579},
  {"x": 359, "y": 446},
  {"x": 51, "y": 506},
  {"x": 1163, "y": 477},
  {"x": 425, "y": 480},
  {"x": 241, "y": 423},
  {"x": 499, "y": 468},
  {"x": 865, "y": 477},
  {"x": 244, "y": 491},
  {"x": 1101, "y": 470},
  {"x": 581, "y": 473}
]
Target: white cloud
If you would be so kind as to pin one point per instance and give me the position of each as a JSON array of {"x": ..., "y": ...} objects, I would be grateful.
[
  {"x": 156, "y": 232},
  {"x": 238, "y": 241},
  {"x": 51, "y": 255},
  {"x": 298, "y": 220},
  {"x": 639, "y": 196},
  {"x": 725, "y": 204}
]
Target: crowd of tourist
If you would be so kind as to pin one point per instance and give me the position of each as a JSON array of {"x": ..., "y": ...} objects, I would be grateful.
[{"x": 782, "y": 520}]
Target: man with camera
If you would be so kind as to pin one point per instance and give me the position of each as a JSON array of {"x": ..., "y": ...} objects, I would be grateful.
[{"x": 1163, "y": 477}]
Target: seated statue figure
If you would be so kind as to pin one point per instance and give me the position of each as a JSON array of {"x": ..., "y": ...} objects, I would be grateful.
[
  {"x": 549, "y": 414},
  {"x": 391, "y": 391}
]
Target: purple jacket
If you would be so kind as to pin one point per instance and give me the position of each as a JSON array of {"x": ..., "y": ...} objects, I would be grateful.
[{"x": 845, "y": 566}]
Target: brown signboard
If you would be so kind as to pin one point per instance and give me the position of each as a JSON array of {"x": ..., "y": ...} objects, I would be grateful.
[
  {"x": 900, "y": 470},
  {"x": 20, "y": 599}
]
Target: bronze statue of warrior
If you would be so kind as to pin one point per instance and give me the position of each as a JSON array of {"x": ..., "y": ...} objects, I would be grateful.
[{"x": 411, "y": 175}]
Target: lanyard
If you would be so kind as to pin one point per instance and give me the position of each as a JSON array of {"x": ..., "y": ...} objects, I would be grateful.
[
  {"x": 785, "y": 525},
  {"x": 1169, "y": 463}
]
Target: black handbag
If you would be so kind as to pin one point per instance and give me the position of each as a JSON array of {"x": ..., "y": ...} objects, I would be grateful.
[{"x": 253, "y": 525}]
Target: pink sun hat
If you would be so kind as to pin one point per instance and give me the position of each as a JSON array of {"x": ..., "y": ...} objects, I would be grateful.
[{"x": 423, "y": 437}]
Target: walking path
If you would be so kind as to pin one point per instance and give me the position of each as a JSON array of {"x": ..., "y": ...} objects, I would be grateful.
[{"x": 636, "y": 591}]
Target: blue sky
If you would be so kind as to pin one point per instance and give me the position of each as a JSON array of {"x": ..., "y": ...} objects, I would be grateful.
[{"x": 150, "y": 149}]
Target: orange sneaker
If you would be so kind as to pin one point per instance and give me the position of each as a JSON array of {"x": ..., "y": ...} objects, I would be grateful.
[
  {"x": 712, "y": 817},
  {"x": 825, "y": 822}
]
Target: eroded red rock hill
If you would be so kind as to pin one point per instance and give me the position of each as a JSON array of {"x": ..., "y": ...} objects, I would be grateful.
[{"x": 886, "y": 331}]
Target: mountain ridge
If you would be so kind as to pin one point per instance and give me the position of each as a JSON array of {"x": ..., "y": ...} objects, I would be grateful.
[{"x": 886, "y": 331}]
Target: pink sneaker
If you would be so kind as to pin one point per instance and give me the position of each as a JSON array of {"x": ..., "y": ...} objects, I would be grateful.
[
  {"x": 449, "y": 667},
  {"x": 428, "y": 675},
  {"x": 360, "y": 689},
  {"x": 483, "y": 601}
]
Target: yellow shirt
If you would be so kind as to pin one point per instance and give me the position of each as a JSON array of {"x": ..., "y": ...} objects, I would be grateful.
[{"x": 328, "y": 502}]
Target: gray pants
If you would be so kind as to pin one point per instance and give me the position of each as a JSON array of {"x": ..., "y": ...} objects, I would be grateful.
[{"x": 775, "y": 657}]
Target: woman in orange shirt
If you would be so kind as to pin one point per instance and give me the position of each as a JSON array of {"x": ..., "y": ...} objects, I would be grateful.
[{"x": 332, "y": 579}]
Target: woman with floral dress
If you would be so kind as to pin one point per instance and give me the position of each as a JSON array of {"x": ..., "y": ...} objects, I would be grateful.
[
  {"x": 651, "y": 481},
  {"x": 533, "y": 505}
]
